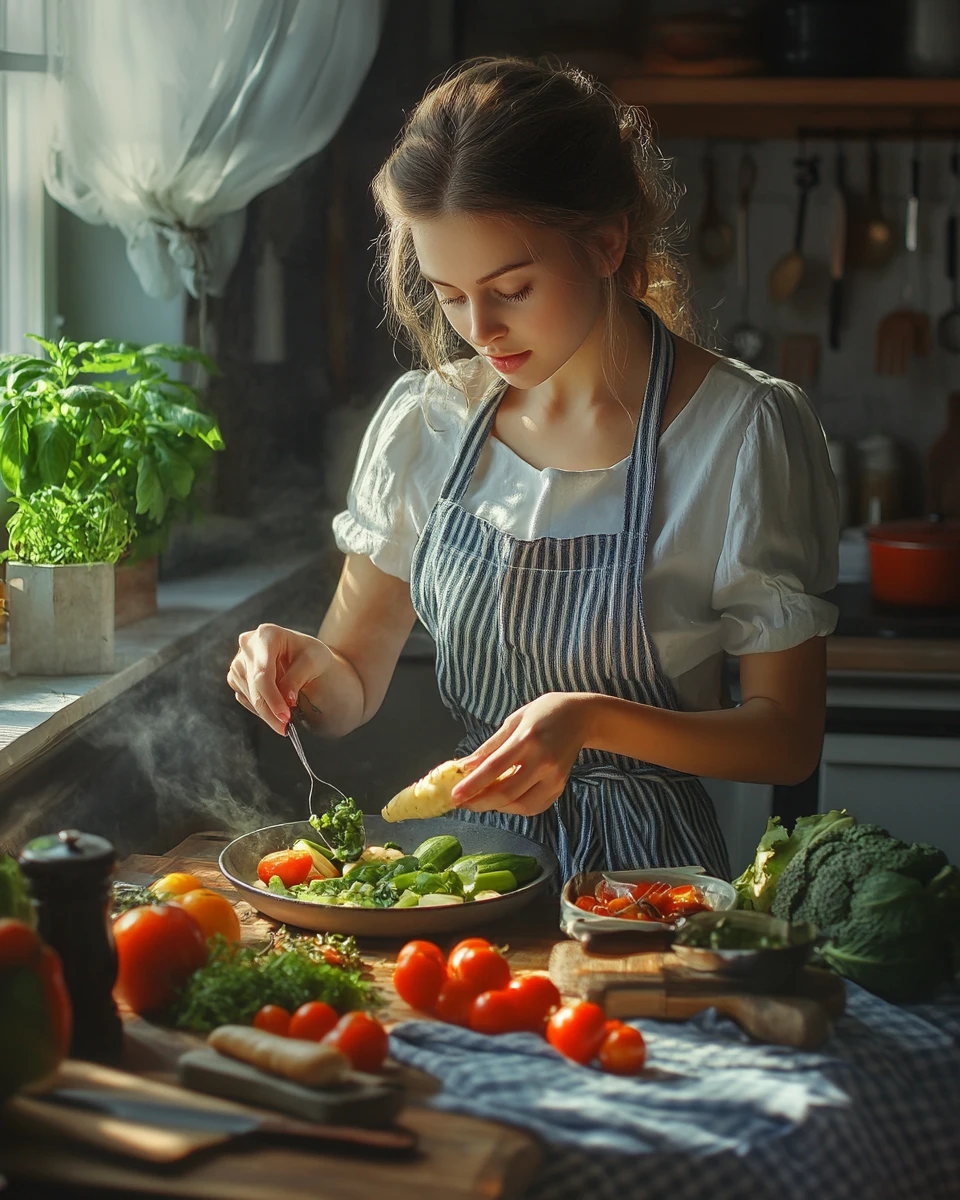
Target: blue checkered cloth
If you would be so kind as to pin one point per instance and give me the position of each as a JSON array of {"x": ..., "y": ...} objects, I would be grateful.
[{"x": 874, "y": 1114}]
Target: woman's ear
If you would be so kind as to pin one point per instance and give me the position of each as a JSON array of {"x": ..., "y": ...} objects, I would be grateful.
[{"x": 611, "y": 245}]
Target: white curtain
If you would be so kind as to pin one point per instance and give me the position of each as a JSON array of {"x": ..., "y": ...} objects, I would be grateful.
[{"x": 169, "y": 116}]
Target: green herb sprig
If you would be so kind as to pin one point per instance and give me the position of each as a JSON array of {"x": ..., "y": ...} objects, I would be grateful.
[
  {"x": 239, "y": 980},
  {"x": 344, "y": 820}
]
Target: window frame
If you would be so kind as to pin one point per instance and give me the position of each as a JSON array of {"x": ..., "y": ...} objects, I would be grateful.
[{"x": 27, "y": 214}]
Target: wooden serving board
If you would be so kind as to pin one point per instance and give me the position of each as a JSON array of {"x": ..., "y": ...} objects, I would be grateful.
[{"x": 658, "y": 986}]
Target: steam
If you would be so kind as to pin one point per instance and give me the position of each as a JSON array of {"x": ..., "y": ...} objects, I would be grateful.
[{"x": 187, "y": 757}]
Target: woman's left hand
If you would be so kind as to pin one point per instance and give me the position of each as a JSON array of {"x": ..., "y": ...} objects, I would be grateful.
[{"x": 538, "y": 744}]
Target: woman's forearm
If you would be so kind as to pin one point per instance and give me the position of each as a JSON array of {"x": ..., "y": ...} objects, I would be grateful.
[{"x": 759, "y": 742}]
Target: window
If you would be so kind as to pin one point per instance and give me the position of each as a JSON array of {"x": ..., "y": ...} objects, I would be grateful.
[{"x": 25, "y": 211}]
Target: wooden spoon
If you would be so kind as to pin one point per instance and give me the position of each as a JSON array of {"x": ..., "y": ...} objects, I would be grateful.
[
  {"x": 787, "y": 273},
  {"x": 715, "y": 235}
]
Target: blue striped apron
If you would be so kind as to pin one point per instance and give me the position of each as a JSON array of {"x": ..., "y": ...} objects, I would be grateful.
[{"x": 515, "y": 619}]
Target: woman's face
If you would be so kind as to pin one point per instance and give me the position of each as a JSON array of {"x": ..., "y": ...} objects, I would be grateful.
[{"x": 543, "y": 307}]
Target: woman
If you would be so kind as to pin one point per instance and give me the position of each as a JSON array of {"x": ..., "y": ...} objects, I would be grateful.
[{"x": 588, "y": 512}]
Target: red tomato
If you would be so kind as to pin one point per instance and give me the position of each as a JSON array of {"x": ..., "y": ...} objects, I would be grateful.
[
  {"x": 362, "y": 1039},
  {"x": 622, "y": 1051},
  {"x": 602, "y": 911},
  {"x": 159, "y": 946},
  {"x": 474, "y": 943},
  {"x": 683, "y": 901},
  {"x": 418, "y": 980},
  {"x": 611, "y": 1025},
  {"x": 272, "y": 1018},
  {"x": 454, "y": 1002},
  {"x": 587, "y": 903},
  {"x": 482, "y": 967},
  {"x": 576, "y": 1030},
  {"x": 312, "y": 1021},
  {"x": 619, "y": 904},
  {"x": 639, "y": 890},
  {"x": 536, "y": 997},
  {"x": 495, "y": 1011},
  {"x": 427, "y": 948},
  {"x": 293, "y": 866}
]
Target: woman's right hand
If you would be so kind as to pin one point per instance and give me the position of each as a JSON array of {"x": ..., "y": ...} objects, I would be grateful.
[{"x": 272, "y": 667}]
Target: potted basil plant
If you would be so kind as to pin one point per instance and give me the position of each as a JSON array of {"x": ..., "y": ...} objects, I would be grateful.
[
  {"x": 60, "y": 579},
  {"x": 105, "y": 417}
]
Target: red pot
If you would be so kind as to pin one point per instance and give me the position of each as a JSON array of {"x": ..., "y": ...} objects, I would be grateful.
[{"x": 916, "y": 563}]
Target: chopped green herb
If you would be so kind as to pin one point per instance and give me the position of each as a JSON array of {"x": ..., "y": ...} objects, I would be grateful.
[{"x": 344, "y": 821}]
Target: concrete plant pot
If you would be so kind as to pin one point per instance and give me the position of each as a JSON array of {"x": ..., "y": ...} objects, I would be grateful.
[{"x": 61, "y": 619}]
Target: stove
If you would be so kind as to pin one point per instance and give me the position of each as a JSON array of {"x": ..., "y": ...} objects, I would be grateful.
[{"x": 862, "y": 616}]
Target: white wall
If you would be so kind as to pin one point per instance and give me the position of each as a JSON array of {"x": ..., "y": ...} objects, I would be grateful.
[{"x": 850, "y": 397}]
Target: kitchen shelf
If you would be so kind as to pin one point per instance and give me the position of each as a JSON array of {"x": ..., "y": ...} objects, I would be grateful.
[{"x": 760, "y": 107}]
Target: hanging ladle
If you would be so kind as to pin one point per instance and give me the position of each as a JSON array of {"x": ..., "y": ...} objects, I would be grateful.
[
  {"x": 948, "y": 327},
  {"x": 788, "y": 272},
  {"x": 745, "y": 339}
]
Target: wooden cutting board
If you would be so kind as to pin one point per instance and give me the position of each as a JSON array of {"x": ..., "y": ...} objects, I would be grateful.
[
  {"x": 459, "y": 1158},
  {"x": 163, "y": 1123},
  {"x": 656, "y": 985}
]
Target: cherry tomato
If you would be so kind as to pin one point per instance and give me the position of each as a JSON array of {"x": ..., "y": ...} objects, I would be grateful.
[
  {"x": 312, "y": 1021},
  {"x": 622, "y": 1051},
  {"x": 611, "y": 1025},
  {"x": 536, "y": 997},
  {"x": 427, "y": 948},
  {"x": 272, "y": 1018},
  {"x": 159, "y": 946},
  {"x": 602, "y": 911},
  {"x": 495, "y": 1011},
  {"x": 362, "y": 1039},
  {"x": 474, "y": 943},
  {"x": 639, "y": 890},
  {"x": 418, "y": 979},
  {"x": 332, "y": 956},
  {"x": 175, "y": 884},
  {"x": 587, "y": 903},
  {"x": 576, "y": 1030},
  {"x": 454, "y": 1002},
  {"x": 293, "y": 866},
  {"x": 482, "y": 967},
  {"x": 683, "y": 901},
  {"x": 619, "y": 904},
  {"x": 211, "y": 911}
]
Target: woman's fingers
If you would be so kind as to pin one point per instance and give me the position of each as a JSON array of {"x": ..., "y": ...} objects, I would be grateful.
[{"x": 494, "y": 742}]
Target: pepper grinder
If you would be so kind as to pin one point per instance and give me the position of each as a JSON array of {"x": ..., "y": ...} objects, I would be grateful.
[{"x": 69, "y": 874}]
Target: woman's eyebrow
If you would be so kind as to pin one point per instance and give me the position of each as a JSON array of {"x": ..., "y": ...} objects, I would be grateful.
[{"x": 486, "y": 278}]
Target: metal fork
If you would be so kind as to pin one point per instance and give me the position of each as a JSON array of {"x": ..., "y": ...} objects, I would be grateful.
[{"x": 294, "y": 737}]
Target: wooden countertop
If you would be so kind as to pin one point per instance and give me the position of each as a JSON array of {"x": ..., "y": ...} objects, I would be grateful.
[
  {"x": 461, "y": 1158},
  {"x": 914, "y": 656}
]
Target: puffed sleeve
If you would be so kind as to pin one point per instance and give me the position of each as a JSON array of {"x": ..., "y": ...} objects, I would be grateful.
[
  {"x": 404, "y": 456},
  {"x": 780, "y": 548}
]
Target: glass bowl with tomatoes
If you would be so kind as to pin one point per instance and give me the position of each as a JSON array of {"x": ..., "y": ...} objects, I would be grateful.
[{"x": 653, "y": 899}]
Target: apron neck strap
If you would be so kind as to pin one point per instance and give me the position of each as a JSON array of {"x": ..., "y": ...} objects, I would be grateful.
[{"x": 642, "y": 471}]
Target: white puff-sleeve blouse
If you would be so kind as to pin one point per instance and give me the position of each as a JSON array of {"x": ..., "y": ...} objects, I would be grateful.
[{"x": 744, "y": 530}]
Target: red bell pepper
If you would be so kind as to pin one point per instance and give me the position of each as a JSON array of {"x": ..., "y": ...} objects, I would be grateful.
[{"x": 35, "y": 1016}]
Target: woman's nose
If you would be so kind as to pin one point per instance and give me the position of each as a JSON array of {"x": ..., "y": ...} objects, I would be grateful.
[{"x": 485, "y": 327}]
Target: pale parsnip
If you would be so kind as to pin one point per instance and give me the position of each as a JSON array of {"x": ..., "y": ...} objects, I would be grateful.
[
  {"x": 309, "y": 1063},
  {"x": 429, "y": 796}
]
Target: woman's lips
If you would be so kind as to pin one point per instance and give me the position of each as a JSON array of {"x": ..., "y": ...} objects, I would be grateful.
[{"x": 510, "y": 362}]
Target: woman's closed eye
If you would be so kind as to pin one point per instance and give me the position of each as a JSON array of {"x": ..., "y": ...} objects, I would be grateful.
[{"x": 511, "y": 297}]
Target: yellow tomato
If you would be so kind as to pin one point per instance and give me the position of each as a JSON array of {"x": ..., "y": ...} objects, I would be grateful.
[
  {"x": 175, "y": 884},
  {"x": 211, "y": 911}
]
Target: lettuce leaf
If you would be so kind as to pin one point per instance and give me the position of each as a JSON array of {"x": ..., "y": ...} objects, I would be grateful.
[{"x": 757, "y": 886}]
